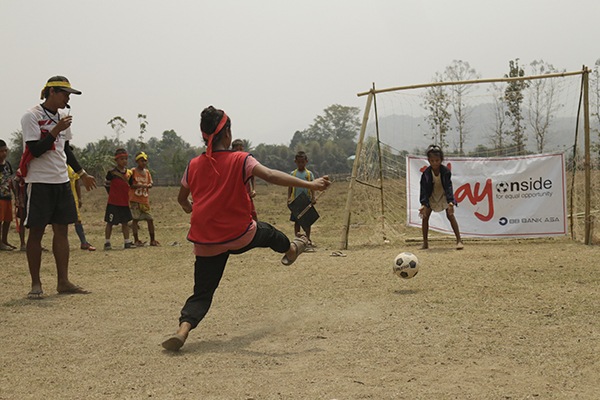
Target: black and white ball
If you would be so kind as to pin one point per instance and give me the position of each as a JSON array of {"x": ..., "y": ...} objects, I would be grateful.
[{"x": 406, "y": 265}]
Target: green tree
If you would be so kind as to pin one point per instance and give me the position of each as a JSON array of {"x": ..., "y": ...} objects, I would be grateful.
[
  {"x": 338, "y": 123},
  {"x": 132, "y": 146},
  {"x": 273, "y": 156},
  {"x": 173, "y": 154},
  {"x": 436, "y": 102},
  {"x": 97, "y": 157},
  {"x": 16, "y": 148},
  {"x": 143, "y": 122},
  {"x": 513, "y": 96},
  {"x": 500, "y": 124},
  {"x": 483, "y": 151},
  {"x": 118, "y": 125},
  {"x": 542, "y": 101},
  {"x": 460, "y": 71},
  {"x": 298, "y": 138}
]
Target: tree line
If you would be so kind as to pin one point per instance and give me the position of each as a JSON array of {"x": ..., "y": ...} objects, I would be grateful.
[
  {"x": 519, "y": 107},
  {"x": 328, "y": 142}
]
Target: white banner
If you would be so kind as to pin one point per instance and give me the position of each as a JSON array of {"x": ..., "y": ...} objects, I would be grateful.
[{"x": 498, "y": 197}]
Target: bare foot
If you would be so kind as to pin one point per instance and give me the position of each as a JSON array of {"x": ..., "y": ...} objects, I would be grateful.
[
  {"x": 177, "y": 340},
  {"x": 425, "y": 246},
  {"x": 297, "y": 247},
  {"x": 174, "y": 342},
  {"x": 71, "y": 288}
]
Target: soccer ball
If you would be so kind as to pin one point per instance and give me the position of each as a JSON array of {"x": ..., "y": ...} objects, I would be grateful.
[{"x": 406, "y": 265}]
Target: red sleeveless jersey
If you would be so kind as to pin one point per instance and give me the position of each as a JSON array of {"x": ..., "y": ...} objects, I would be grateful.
[{"x": 221, "y": 209}]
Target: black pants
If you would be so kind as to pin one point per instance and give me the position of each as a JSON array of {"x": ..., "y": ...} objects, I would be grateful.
[{"x": 209, "y": 270}]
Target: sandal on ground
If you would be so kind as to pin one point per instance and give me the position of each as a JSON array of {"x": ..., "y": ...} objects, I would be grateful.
[
  {"x": 300, "y": 243},
  {"x": 87, "y": 246},
  {"x": 460, "y": 246},
  {"x": 139, "y": 243},
  {"x": 35, "y": 294},
  {"x": 337, "y": 254},
  {"x": 173, "y": 343},
  {"x": 155, "y": 243},
  {"x": 5, "y": 247}
]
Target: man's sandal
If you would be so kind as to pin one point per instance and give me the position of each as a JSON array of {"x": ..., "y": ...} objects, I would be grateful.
[{"x": 300, "y": 243}]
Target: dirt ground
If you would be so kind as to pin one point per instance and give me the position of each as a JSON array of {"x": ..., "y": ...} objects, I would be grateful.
[{"x": 498, "y": 320}]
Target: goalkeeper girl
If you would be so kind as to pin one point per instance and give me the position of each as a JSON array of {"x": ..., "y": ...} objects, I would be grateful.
[{"x": 437, "y": 194}]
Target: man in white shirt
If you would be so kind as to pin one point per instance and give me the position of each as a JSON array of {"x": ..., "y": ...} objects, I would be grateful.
[{"x": 46, "y": 135}]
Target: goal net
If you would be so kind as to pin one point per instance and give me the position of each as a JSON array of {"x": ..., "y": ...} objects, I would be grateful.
[{"x": 480, "y": 118}]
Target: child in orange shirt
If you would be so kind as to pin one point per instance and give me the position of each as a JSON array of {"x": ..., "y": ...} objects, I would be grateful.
[{"x": 139, "y": 203}]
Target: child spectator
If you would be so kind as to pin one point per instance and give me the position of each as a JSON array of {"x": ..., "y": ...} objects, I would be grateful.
[
  {"x": 76, "y": 189},
  {"x": 301, "y": 172},
  {"x": 437, "y": 194},
  {"x": 20, "y": 202},
  {"x": 117, "y": 208},
  {"x": 238, "y": 145},
  {"x": 139, "y": 202},
  {"x": 221, "y": 223},
  {"x": 6, "y": 191}
]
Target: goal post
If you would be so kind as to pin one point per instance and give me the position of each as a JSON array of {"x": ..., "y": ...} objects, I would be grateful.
[{"x": 372, "y": 154}]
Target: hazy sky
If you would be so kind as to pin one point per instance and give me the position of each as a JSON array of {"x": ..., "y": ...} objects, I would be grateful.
[{"x": 271, "y": 65}]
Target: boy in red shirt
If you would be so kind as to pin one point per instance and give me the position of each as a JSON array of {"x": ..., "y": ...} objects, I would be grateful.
[{"x": 117, "y": 208}]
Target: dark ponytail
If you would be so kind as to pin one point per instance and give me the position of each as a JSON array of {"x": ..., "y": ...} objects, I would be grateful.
[{"x": 209, "y": 119}]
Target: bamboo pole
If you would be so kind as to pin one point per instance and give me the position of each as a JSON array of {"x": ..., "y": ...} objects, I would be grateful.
[
  {"x": 453, "y": 83},
  {"x": 380, "y": 165},
  {"x": 361, "y": 137},
  {"x": 574, "y": 167},
  {"x": 587, "y": 163}
]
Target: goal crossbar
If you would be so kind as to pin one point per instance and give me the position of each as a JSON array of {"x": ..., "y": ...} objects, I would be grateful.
[{"x": 474, "y": 81}]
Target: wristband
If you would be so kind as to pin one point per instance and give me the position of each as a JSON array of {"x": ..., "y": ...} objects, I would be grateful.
[{"x": 82, "y": 172}]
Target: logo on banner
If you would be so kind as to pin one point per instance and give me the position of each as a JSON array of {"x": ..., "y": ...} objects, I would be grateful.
[{"x": 516, "y": 189}]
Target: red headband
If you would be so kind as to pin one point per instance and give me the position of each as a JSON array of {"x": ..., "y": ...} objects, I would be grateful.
[
  {"x": 210, "y": 136},
  {"x": 121, "y": 155}
]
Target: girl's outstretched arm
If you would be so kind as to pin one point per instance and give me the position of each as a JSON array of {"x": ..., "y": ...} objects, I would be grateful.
[{"x": 282, "y": 179}]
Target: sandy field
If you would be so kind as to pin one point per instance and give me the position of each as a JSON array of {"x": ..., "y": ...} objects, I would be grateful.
[{"x": 497, "y": 320}]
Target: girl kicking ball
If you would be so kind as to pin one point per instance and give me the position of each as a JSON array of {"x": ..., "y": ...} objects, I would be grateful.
[
  {"x": 437, "y": 194},
  {"x": 221, "y": 221}
]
